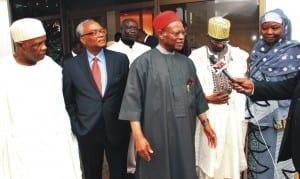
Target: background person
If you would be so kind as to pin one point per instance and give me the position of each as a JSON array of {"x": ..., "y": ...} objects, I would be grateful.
[
  {"x": 228, "y": 160},
  {"x": 36, "y": 140},
  {"x": 185, "y": 49},
  {"x": 162, "y": 98},
  {"x": 76, "y": 48},
  {"x": 117, "y": 36},
  {"x": 146, "y": 39},
  {"x": 93, "y": 85},
  {"x": 274, "y": 58},
  {"x": 133, "y": 49},
  {"x": 128, "y": 44}
]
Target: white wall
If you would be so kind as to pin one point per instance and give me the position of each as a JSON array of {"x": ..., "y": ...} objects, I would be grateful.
[
  {"x": 6, "y": 46},
  {"x": 291, "y": 10}
]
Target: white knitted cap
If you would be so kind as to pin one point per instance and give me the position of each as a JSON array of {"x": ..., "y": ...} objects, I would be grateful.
[{"x": 25, "y": 29}]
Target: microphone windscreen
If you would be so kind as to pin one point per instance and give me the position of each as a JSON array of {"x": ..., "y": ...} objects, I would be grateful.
[{"x": 213, "y": 59}]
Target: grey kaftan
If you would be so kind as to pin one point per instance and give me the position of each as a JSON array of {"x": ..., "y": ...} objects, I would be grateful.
[{"x": 164, "y": 93}]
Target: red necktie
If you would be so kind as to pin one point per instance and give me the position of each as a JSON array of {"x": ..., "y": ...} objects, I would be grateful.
[{"x": 97, "y": 74}]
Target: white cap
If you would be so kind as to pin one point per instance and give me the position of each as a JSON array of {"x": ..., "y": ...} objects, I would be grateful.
[
  {"x": 272, "y": 17},
  {"x": 25, "y": 29}
]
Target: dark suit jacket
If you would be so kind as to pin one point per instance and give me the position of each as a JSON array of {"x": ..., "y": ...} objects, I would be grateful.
[
  {"x": 85, "y": 105},
  {"x": 151, "y": 41},
  {"x": 67, "y": 56},
  {"x": 288, "y": 89}
]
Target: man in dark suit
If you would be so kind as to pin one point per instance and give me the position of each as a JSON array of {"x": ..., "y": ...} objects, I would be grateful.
[
  {"x": 146, "y": 39},
  {"x": 287, "y": 89},
  {"x": 76, "y": 48},
  {"x": 93, "y": 86}
]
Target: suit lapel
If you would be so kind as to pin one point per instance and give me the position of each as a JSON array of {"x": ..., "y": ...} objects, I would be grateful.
[
  {"x": 109, "y": 68},
  {"x": 85, "y": 67}
]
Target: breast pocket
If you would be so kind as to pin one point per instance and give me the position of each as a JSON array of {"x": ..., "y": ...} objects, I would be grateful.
[
  {"x": 191, "y": 97},
  {"x": 179, "y": 101}
]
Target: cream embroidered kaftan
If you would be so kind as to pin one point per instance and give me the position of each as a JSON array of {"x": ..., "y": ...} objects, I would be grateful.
[
  {"x": 228, "y": 159},
  {"x": 36, "y": 140}
]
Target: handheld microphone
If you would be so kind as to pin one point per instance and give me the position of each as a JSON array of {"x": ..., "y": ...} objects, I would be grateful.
[{"x": 214, "y": 61}]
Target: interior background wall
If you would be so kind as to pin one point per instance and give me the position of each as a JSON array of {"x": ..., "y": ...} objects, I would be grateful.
[
  {"x": 291, "y": 10},
  {"x": 6, "y": 46}
]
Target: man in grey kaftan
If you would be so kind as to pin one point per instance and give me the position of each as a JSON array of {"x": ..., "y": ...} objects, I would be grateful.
[{"x": 163, "y": 95}]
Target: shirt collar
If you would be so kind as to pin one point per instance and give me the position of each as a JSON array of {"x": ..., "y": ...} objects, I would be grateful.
[
  {"x": 73, "y": 54},
  {"x": 145, "y": 39},
  {"x": 164, "y": 51},
  {"x": 100, "y": 56}
]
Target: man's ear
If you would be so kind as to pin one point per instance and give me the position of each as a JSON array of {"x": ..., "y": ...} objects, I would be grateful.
[
  {"x": 82, "y": 40},
  {"x": 161, "y": 34},
  {"x": 19, "y": 45}
]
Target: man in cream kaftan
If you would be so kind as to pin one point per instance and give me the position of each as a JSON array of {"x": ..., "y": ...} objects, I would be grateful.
[
  {"x": 36, "y": 140},
  {"x": 226, "y": 115},
  {"x": 226, "y": 119}
]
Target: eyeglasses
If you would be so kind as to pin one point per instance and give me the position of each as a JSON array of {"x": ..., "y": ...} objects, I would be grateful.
[
  {"x": 215, "y": 42},
  {"x": 176, "y": 34},
  {"x": 95, "y": 32}
]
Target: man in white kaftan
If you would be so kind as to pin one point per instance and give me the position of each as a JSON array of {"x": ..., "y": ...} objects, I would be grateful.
[
  {"x": 132, "y": 52},
  {"x": 36, "y": 140},
  {"x": 128, "y": 44},
  {"x": 226, "y": 107}
]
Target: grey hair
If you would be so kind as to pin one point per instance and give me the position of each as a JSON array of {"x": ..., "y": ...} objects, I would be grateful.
[{"x": 79, "y": 28}]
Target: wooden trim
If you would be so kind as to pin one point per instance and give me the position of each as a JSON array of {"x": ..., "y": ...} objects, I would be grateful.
[
  {"x": 147, "y": 4},
  {"x": 262, "y": 10},
  {"x": 262, "y": 7},
  {"x": 95, "y": 11}
]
